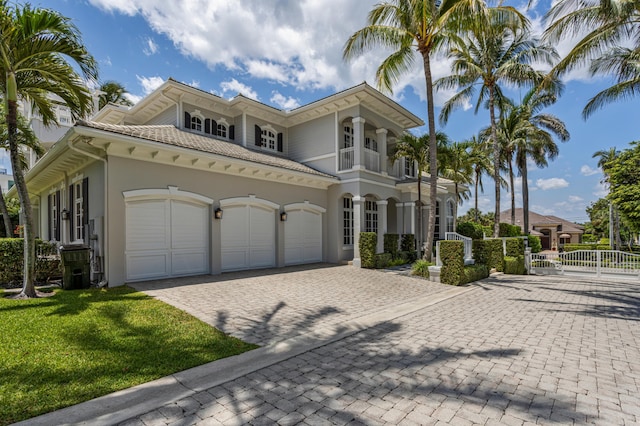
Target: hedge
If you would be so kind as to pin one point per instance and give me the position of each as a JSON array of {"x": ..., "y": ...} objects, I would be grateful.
[
  {"x": 382, "y": 260},
  {"x": 515, "y": 246},
  {"x": 508, "y": 230},
  {"x": 587, "y": 246},
  {"x": 12, "y": 260},
  {"x": 488, "y": 252},
  {"x": 408, "y": 242},
  {"x": 514, "y": 265},
  {"x": 534, "y": 243},
  {"x": 367, "y": 244},
  {"x": 470, "y": 229},
  {"x": 474, "y": 273},
  {"x": 390, "y": 244},
  {"x": 452, "y": 257}
]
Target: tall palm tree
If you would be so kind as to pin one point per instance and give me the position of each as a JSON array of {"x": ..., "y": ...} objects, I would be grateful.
[
  {"x": 114, "y": 93},
  {"x": 407, "y": 26},
  {"x": 611, "y": 46},
  {"x": 457, "y": 166},
  {"x": 35, "y": 49},
  {"x": 481, "y": 165},
  {"x": 493, "y": 53}
]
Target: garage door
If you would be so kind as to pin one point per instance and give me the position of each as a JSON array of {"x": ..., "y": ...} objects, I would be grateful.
[
  {"x": 303, "y": 237},
  {"x": 166, "y": 238},
  {"x": 248, "y": 237}
]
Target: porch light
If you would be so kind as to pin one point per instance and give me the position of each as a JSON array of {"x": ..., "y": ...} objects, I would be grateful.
[
  {"x": 283, "y": 216},
  {"x": 64, "y": 214},
  {"x": 217, "y": 213}
]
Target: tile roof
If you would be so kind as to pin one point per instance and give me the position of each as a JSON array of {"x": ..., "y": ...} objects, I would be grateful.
[
  {"x": 538, "y": 219},
  {"x": 170, "y": 135}
]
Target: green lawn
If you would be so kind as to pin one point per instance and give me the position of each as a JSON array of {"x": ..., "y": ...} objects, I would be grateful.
[{"x": 81, "y": 344}]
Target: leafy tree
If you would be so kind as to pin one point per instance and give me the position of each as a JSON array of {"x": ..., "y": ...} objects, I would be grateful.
[
  {"x": 624, "y": 184},
  {"x": 407, "y": 26},
  {"x": 612, "y": 45},
  {"x": 484, "y": 219},
  {"x": 35, "y": 49},
  {"x": 114, "y": 93},
  {"x": 606, "y": 158},
  {"x": 493, "y": 53}
]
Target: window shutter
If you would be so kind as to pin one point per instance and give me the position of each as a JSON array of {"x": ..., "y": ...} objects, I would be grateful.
[
  {"x": 58, "y": 210},
  {"x": 71, "y": 216},
  {"x": 232, "y": 132},
  {"x": 214, "y": 128},
  {"x": 50, "y": 210},
  {"x": 280, "y": 147},
  {"x": 258, "y": 135},
  {"x": 85, "y": 201},
  {"x": 187, "y": 120},
  {"x": 207, "y": 126}
]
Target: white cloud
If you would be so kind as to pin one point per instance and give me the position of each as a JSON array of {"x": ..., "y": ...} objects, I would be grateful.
[
  {"x": 601, "y": 190},
  {"x": 543, "y": 209},
  {"x": 575, "y": 199},
  {"x": 551, "y": 183},
  {"x": 284, "y": 102},
  {"x": 588, "y": 171},
  {"x": 234, "y": 87},
  {"x": 150, "y": 47},
  {"x": 133, "y": 98},
  {"x": 149, "y": 84}
]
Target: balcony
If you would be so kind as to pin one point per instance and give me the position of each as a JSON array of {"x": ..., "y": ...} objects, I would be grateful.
[
  {"x": 372, "y": 160},
  {"x": 347, "y": 158}
]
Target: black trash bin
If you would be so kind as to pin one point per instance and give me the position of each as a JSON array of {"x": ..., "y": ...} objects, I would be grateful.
[{"x": 75, "y": 266}]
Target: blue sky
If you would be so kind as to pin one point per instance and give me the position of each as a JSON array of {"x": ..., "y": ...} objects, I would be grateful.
[{"x": 287, "y": 53}]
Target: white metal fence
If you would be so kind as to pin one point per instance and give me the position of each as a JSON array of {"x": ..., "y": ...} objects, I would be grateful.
[{"x": 590, "y": 262}]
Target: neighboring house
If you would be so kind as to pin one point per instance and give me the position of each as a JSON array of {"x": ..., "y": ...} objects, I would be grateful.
[
  {"x": 186, "y": 183},
  {"x": 554, "y": 232},
  {"x": 6, "y": 180}
]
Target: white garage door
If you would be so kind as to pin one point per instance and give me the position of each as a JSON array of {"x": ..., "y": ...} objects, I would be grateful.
[
  {"x": 303, "y": 237},
  {"x": 248, "y": 237},
  {"x": 166, "y": 238}
]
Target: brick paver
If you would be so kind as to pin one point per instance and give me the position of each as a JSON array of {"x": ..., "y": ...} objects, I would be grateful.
[{"x": 515, "y": 350}]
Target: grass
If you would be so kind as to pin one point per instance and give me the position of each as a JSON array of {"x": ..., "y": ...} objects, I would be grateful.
[{"x": 77, "y": 345}]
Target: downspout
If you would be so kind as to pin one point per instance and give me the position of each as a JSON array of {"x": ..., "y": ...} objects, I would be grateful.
[{"x": 105, "y": 222}]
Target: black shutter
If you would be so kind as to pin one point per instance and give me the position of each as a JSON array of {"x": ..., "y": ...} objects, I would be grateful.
[
  {"x": 280, "y": 147},
  {"x": 71, "y": 216},
  {"x": 214, "y": 128},
  {"x": 207, "y": 126},
  {"x": 232, "y": 132},
  {"x": 85, "y": 201},
  {"x": 58, "y": 209},
  {"x": 258, "y": 135},
  {"x": 50, "y": 209},
  {"x": 187, "y": 120}
]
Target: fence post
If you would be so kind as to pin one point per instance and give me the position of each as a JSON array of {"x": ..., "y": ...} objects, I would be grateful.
[
  {"x": 598, "y": 262},
  {"x": 527, "y": 260}
]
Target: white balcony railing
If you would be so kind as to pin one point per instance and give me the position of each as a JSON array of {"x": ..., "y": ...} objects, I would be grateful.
[
  {"x": 347, "y": 158},
  {"x": 372, "y": 160}
]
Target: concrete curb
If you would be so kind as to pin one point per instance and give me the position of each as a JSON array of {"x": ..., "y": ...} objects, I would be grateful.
[{"x": 125, "y": 404}]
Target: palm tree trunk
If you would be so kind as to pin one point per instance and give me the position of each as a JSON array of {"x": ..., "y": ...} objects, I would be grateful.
[
  {"x": 5, "y": 215},
  {"x": 433, "y": 152},
  {"x": 28, "y": 286},
  {"x": 496, "y": 163},
  {"x": 419, "y": 213},
  {"x": 513, "y": 193},
  {"x": 525, "y": 197},
  {"x": 477, "y": 182}
]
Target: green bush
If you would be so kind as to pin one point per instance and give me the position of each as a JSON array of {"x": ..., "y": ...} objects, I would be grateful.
[
  {"x": 515, "y": 246},
  {"x": 605, "y": 241},
  {"x": 488, "y": 231},
  {"x": 383, "y": 260},
  {"x": 534, "y": 243},
  {"x": 421, "y": 268},
  {"x": 452, "y": 257},
  {"x": 391, "y": 244},
  {"x": 575, "y": 246},
  {"x": 474, "y": 273},
  {"x": 367, "y": 244},
  {"x": 488, "y": 252},
  {"x": 514, "y": 265},
  {"x": 480, "y": 249},
  {"x": 497, "y": 255},
  {"x": 589, "y": 238},
  {"x": 12, "y": 260},
  {"x": 508, "y": 230},
  {"x": 408, "y": 242},
  {"x": 407, "y": 256},
  {"x": 471, "y": 230}
]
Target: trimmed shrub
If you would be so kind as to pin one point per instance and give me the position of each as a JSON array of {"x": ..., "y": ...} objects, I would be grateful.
[
  {"x": 515, "y": 246},
  {"x": 407, "y": 256},
  {"x": 367, "y": 244},
  {"x": 589, "y": 238},
  {"x": 496, "y": 255},
  {"x": 452, "y": 257},
  {"x": 574, "y": 247},
  {"x": 509, "y": 230},
  {"x": 391, "y": 244},
  {"x": 408, "y": 242},
  {"x": 481, "y": 252},
  {"x": 488, "y": 231},
  {"x": 488, "y": 252},
  {"x": 471, "y": 230},
  {"x": 534, "y": 243},
  {"x": 421, "y": 268},
  {"x": 12, "y": 260},
  {"x": 474, "y": 273},
  {"x": 383, "y": 260},
  {"x": 514, "y": 265}
]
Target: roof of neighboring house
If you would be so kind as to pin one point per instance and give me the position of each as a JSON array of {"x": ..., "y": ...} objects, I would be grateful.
[
  {"x": 170, "y": 135},
  {"x": 539, "y": 220}
]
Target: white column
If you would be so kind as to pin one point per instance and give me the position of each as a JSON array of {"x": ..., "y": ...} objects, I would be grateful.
[
  {"x": 358, "y": 142},
  {"x": 400, "y": 218},
  {"x": 358, "y": 220},
  {"x": 412, "y": 221},
  {"x": 382, "y": 148},
  {"x": 382, "y": 224}
]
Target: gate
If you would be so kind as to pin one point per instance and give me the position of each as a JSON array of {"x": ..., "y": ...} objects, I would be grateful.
[{"x": 598, "y": 263}]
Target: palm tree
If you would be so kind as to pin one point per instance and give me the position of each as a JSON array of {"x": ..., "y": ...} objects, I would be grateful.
[
  {"x": 35, "y": 49},
  {"x": 606, "y": 159},
  {"x": 494, "y": 52},
  {"x": 481, "y": 165},
  {"x": 113, "y": 92},
  {"x": 611, "y": 24},
  {"x": 407, "y": 26},
  {"x": 456, "y": 164}
]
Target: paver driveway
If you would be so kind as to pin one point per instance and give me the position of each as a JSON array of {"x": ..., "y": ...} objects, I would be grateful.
[{"x": 514, "y": 350}]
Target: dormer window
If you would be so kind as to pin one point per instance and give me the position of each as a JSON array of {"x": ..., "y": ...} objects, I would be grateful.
[
  {"x": 222, "y": 130},
  {"x": 196, "y": 124},
  {"x": 268, "y": 138}
]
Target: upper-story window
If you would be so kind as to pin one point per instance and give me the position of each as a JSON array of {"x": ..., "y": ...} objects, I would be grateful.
[
  {"x": 409, "y": 168},
  {"x": 348, "y": 136},
  {"x": 195, "y": 121},
  {"x": 451, "y": 213},
  {"x": 370, "y": 143},
  {"x": 222, "y": 130},
  {"x": 268, "y": 139}
]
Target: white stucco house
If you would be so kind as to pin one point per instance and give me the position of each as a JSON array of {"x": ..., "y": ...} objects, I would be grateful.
[{"x": 186, "y": 182}]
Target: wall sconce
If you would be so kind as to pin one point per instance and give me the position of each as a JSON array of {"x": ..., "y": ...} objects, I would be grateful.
[
  {"x": 64, "y": 214},
  {"x": 283, "y": 216},
  {"x": 217, "y": 213}
]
